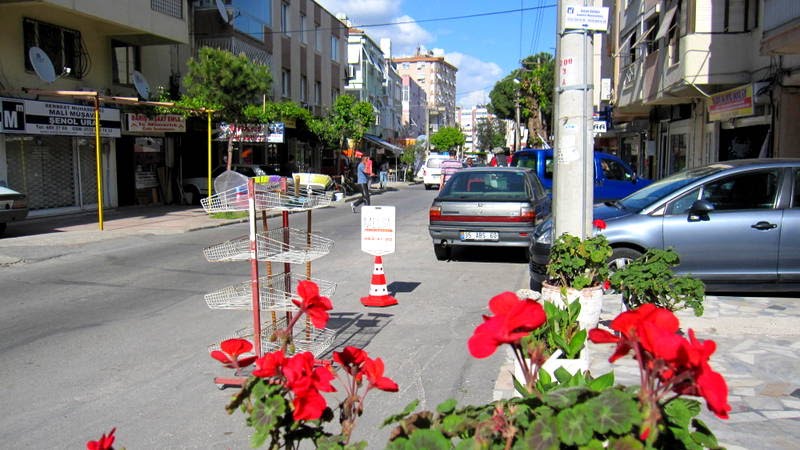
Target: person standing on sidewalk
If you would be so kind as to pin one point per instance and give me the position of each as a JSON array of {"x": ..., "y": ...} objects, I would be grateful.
[
  {"x": 362, "y": 177},
  {"x": 384, "y": 174},
  {"x": 449, "y": 167}
]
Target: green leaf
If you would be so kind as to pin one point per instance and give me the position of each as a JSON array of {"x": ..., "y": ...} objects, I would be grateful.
[
  {"x": 613, "y": 410},
  {"x": 428, "y": 439},
  {"x": 266, "y": 416},
  {"x": 447, "y": 406},
  {"x": 397, "y": 417},
  {"x": 452, "y": 424},
  {"x": 467, "y": 444},
  {"x": 563, "y": 397},
  {"x": 602, "y": 382},
  {"x": 541, "y": 435},
  {"x": 680, "y": 411},
  {"x": 625, "y": 443},
  {"x": 562, "y": 375},
  {"x": 703, "y": 435},
  {"x": 575, "y": 425}
]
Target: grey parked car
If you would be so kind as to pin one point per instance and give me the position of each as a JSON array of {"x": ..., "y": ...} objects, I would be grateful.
[
  {"x": 734, "y": 224},
  {"x": 487, "y": 206}
]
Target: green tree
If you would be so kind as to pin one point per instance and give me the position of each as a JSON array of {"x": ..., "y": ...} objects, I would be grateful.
[
  {"x": 219, "y": 80},
  {"x": 348, "y": 119},
  {"x": 491, "y": 133},
  {"x": 536, "y": 90},
  {"x": 447, "y": 138}
]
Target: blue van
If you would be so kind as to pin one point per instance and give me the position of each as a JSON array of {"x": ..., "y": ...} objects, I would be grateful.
[{"x": 613, "y": 177}]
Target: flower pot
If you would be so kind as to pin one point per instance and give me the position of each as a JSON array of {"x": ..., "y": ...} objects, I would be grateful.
[
  {"x": 591, "y": 300},
  {"x": 554, "y": 362}
]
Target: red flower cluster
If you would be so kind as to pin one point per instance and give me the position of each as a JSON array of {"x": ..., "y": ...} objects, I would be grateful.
[
  {"x": 669, "y": 361},
  {"x": 230, "y": 352},
  {"x": 302, "y": 374},
  {"x": 313, "y": 305},
  {"x": 357, "y": 363},
  {"x": 600, "y": 224},
  {"x": 106, "y": 442},
  {"x": 513, "y": 319}
]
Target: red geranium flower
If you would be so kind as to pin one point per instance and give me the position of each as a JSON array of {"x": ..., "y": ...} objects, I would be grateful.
[
  {"x": 305, "y": 379},
  {"x": 105, "y": 442},
  {"x": 308, "y": 404},
  {"x": 313, "y": 305},
  {"x": 600, "y": 224},
  {"x": 373, "y": 370},
  {"x": 513, "y": 320},
  {"x": 269, "y": 365},
  {"x": 351, "y": 359},
  {"x": 229, "y": 353}
]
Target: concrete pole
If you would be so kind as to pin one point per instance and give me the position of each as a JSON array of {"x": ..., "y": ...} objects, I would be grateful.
[
  {"x": 517, "y": 131},
  {"x": 573, "y": 185}
]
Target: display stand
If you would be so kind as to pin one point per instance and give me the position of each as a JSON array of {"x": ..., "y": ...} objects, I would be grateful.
[{"x": 274, "y": 292}]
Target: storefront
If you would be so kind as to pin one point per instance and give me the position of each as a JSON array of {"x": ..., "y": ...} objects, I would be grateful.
[
  {"x": 47, "y": 151},
  {"x": 744, "y": 124}
]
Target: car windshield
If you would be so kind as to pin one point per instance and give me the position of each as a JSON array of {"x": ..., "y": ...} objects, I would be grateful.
[
  {"x": 486, "y": 185},
  {"x": 661, "y": 188}
]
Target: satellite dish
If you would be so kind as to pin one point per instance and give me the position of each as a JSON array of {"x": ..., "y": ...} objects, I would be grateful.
[
  {"x": 223, "y": 11},
  {"x": 140, "y": 82},
  {"x": 41, "y": 64}
]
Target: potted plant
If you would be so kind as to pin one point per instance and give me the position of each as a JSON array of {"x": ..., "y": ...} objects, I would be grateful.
[
  {"x": 649, "y": 279},
  {"x": 578, "y": 269}
]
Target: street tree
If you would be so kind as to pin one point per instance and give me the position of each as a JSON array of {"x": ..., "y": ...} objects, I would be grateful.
[
  {"x": 226, "y": 83},
  {"x": 348, "y": 119},
  {"x": 448, "y": 138},
  {"x": 490, "y": 133},
  {"x": 534, "y": 85}
]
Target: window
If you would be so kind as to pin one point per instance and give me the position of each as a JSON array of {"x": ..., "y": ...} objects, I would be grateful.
[
  {"x": 285, "y": 18},
  {"x": 172, "y": 8},
  {"x": 796, "y": 197},
  {"x": 678, "y": 149},
  {"x": 317, "y": 93},
  {"x": 334, "y": 48},
  {"x": 286, "y": 83},
  {"x": 62, "y": 45},
  {"x": 303, "y": 32},
  {"x": 124, "y": 60},
  {"x": 317, "y": 37},
  {"x": 303, "y": 88},
  {"x": 753, "y": 190},
  {"x": 613, "y": 170},
  {"x": 406, "y": 65}
]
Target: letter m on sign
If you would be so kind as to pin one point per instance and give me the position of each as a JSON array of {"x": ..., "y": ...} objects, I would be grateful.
[{"x": 13, "y": 116}]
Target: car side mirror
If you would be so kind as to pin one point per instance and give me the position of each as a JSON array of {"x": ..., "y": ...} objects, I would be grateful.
[
  {"x": 634, "y": 178},
  {"x": 701, "y": 207}
]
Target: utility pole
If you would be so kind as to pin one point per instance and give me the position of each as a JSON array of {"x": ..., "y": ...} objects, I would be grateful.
[
  {"x": 517, "y": 131},
  {"x": 573, "y": 186}
]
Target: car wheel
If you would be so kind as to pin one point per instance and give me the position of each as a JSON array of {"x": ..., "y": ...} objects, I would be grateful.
[
  {"x": 442, "y": 252},
  {"x": 621, "y": 257},
  {"x": 2, "y": 228},
  {"x": 428, "y": 187}
]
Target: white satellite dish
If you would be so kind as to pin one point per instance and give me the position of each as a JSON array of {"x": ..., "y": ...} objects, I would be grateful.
[
  {"x": 223, "y": 11},
  {"x": 41, "y": 64},
  {"x": 141, "y": 85}
]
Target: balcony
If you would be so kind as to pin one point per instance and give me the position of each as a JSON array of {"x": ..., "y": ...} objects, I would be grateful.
[{"x": 781, "y": 27}]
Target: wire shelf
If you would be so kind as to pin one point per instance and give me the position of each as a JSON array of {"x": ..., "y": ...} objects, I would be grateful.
[
  {"x": 268, "y": 196},
  {"x": 287, "y": 245},
  {"x": 306, "y": 338},
  {"x": 273, "y": 295}
]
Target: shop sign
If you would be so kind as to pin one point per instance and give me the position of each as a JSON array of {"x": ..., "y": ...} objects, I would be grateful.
[
  {"x": 276, "y": 132},
  {"x": 57, "y": 119},
  {"x": 586, "y": 17},
  {"x": 377, "y": 230},
  {"x": 243, "y": 132},
  {"x": 736, "y": 102},
  {"x": 162, "y": 123}
]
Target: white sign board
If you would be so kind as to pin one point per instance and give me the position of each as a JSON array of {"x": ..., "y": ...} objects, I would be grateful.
[
  {"x": 56, "y": 119},
  {"x": 586, "y": 17},
  {"x": 377, "y": 230},
  {"x": 599, "y": 126}
]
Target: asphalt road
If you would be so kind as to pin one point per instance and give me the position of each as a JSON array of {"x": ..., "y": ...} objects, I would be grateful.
[{"x": 115, "y": 333}]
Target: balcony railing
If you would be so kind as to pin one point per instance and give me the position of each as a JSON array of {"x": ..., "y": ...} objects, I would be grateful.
[{"x": 236, "y": 46}]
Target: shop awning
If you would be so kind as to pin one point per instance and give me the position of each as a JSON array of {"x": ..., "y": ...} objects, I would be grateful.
[{"x": 378, "y": 141}]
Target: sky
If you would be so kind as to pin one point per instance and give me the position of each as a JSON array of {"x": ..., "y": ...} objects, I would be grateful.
[{"x": 485, "y": 48}]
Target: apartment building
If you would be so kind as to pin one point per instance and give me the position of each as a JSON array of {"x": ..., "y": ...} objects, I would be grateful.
[
  {"x": 306, "y": 49},
  {"x": 437, "y": 78},
  {"x": 468, "y": 120},
  {"x": 704, "y": 81},
  {"x": 414, "y": 108},
  {"x": 113, "y": 49}
]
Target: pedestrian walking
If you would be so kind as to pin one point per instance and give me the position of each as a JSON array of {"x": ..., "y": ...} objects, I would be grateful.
[
  {"x": 384, "y": 174},
  {"x": 362, "y": 177},
  {"x": 449, "y": 167}
]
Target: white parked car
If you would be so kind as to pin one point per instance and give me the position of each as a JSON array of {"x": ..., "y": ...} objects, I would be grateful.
[
  {"x": 13, "y": 207},
  {"x": 431, "y": 171}
]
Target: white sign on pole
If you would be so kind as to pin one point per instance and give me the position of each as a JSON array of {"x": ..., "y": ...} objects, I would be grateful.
[
  {"x": 599, "y": 126},
  {"x": 377, "y": 230},
  {"x": 586, "y": 17}
]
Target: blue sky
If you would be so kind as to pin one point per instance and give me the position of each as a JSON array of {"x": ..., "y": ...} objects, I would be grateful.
[{"x": 484, "y": 48}]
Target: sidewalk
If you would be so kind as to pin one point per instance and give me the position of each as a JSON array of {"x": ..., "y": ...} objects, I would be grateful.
[{"x": 758, "y": 353}]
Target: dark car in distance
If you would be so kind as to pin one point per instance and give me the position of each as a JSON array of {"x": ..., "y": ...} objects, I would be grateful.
[
  {"x": 734, "y": 224},
  {"x": 487, "y": 206}
]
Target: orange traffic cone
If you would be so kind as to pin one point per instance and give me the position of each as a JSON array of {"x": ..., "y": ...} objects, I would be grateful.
[{"x": 378, "y": 293}]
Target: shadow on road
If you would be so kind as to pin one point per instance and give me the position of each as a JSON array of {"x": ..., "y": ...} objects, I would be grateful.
[
  {"x": 355, "y": 328},
  {"x": 489, "y": 254}
]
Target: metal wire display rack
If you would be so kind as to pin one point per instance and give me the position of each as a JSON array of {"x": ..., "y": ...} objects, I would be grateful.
[
  {"x": 268, "y": 196},
  {"x": 288, "y": 245},
  {"x": 272, "y": 290}
]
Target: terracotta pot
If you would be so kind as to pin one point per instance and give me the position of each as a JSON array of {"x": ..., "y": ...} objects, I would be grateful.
[{"x": 591, "y": 300}]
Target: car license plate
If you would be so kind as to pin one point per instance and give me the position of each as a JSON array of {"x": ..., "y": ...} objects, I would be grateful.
[{"x": 479, "y": 236}]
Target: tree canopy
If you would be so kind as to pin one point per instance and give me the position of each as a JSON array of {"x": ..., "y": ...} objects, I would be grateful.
[
  {"x": 447, "y": 138},
  {"x": 348, "y": 119},
  {"x": 490, "y": 133}
]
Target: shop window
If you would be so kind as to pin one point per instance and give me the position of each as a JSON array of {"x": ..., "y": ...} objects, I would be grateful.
[
  {"x": 124, "y": 60},
  {"x": 285, "y": 18},
  {"x": 286, "y": 83},
  {"x": 317, "y": 93},
  {"x": 678, "y": 151},
  {"x": 62, "y": 45}
]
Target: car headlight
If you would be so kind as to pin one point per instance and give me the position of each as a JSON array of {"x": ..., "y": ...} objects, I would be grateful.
[{"x": 544, "y": 234}]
